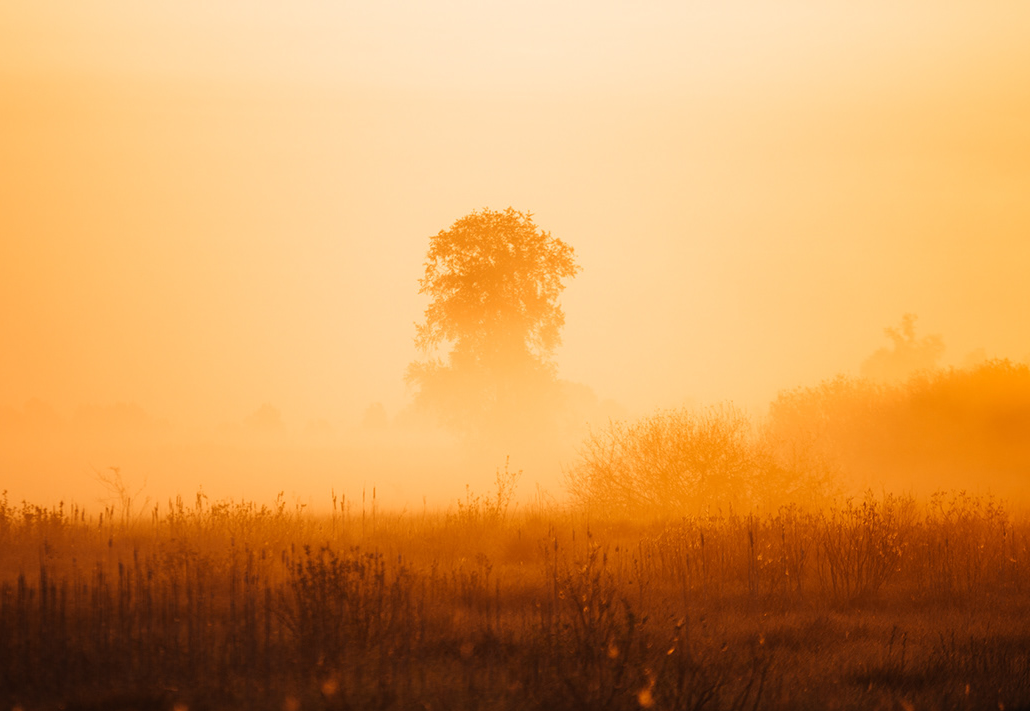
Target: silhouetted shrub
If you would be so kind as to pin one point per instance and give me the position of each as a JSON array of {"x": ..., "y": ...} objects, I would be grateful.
[{"x": 673, "y": 461}]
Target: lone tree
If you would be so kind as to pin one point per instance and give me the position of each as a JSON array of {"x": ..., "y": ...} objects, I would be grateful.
[
  {"x": 909, "y": 354},
  {"x": 493, "y": 279}
]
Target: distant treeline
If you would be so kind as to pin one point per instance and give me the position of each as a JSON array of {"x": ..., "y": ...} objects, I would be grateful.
[{"x": 939, "y": 429}]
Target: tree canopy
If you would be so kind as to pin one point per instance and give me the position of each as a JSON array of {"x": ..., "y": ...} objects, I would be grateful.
[{"x": 493, "y": 280}]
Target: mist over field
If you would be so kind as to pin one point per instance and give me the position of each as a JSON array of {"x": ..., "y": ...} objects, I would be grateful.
[{"x": 214, "y": 224}]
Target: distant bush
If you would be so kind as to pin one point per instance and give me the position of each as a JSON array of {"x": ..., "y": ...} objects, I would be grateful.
[
  {"x": 675, "y": 460},
  {"x": 679, "y": 462}
]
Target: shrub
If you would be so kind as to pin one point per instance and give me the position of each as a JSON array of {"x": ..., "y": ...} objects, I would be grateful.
[{"x": 673, "y": 461}]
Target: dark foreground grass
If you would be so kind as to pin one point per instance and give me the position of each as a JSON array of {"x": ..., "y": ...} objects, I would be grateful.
[{"x": 870, "y": 605}]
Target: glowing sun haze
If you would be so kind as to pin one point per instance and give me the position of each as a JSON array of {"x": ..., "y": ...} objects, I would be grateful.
[{"x": 210, "y": 206}]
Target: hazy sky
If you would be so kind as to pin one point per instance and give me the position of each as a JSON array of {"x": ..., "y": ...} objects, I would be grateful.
[{"x": 206, "y": 206}]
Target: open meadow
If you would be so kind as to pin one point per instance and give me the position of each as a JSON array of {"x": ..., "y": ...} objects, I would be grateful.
[{"x": 871, "y": 603}]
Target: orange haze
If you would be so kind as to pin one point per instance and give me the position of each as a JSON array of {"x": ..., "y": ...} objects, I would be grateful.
[{"x": 213, "y": 217}]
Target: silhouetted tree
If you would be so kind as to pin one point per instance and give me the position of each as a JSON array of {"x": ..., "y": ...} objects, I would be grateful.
[
  {"x": 494, "y": 279},
  {"x": 908, "y": 354}
]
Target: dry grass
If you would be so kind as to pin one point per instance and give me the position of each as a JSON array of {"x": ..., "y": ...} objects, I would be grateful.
[{"x": 877, "y": 603}]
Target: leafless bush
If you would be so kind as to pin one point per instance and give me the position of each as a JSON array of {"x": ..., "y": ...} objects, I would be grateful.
[{"x": 674, "y": 461}]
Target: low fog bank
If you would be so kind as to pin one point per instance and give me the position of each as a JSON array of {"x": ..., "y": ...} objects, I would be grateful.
[
  {"x": 903, "y": 424},
  {"x": 402, "y": 461}
]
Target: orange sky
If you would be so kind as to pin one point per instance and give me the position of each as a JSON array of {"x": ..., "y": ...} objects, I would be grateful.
[{"x": 207, "y": 206}]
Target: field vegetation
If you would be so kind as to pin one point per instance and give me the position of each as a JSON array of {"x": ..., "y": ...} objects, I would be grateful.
[{"x": 875, "y": 602}]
